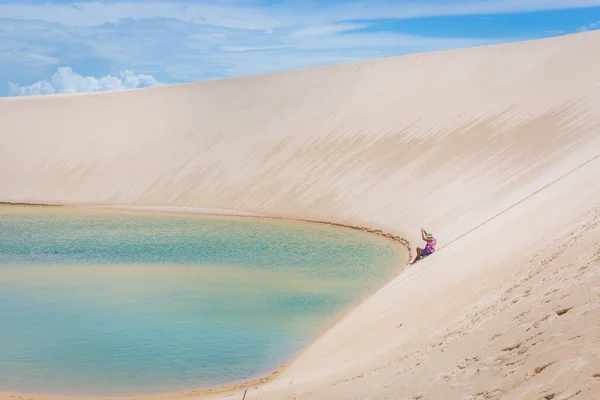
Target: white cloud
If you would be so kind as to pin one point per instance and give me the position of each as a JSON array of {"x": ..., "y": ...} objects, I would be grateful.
[
  {"x": 237, "y": 16},
  {"x": 65, "y": 80},
  {"x": 251, "y": 48},
  {"x": 326, "y": 29},
  {"x": 253, "y": 16},
  {"x": 589, "y": 27}
]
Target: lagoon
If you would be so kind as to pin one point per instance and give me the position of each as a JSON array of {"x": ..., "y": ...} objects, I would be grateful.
[{"x": 110, "y": 303}]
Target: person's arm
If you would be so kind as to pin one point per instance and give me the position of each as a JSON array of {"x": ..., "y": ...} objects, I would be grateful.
[{"x": 423, "y": 233}]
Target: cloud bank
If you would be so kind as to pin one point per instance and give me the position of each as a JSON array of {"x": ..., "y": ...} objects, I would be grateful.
[
  {"x": 254, "y": 15},
  {"x": 65, "y": 80}
]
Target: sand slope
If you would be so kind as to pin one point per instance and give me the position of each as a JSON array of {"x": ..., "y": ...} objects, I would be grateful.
[{"x": 495, "y": 149}]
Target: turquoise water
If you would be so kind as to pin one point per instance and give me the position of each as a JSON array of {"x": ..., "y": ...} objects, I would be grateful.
[{"x": 101, "y": 303}]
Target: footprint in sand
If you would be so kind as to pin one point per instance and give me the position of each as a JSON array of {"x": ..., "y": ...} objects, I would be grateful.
[
  {"x": 568, "y": 395},
  {"x": 543, "y": 367},
  {"x": 563, "y": 311}
]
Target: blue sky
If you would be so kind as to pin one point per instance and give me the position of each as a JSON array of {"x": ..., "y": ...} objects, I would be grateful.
[{"x": 55, "y": 46}]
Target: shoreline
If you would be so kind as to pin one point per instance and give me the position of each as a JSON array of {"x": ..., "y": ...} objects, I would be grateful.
[
  {"x": 197, "y": 211},
  {"x": 158, "y": 210},
  {"x": 233, "y": 387}
]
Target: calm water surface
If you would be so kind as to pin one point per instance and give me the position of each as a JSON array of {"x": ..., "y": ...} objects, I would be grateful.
[{"x": 102, "y": 303}]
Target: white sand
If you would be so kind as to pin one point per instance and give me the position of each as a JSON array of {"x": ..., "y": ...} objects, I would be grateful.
[{"x": 494, "y": 149}]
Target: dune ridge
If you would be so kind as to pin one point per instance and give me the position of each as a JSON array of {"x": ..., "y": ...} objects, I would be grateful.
[{"x": 495, "y": 149}]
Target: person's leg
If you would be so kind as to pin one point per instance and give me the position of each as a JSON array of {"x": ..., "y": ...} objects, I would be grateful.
[
  {"x": 425, "y": 253},
  {"x": 418, "y": 255}
]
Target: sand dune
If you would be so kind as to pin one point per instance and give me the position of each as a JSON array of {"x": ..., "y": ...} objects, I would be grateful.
[{"x": 495, "y": 149}]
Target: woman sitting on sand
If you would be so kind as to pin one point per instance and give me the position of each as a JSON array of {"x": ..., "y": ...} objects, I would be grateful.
[{"x": 429, "y": 247}]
